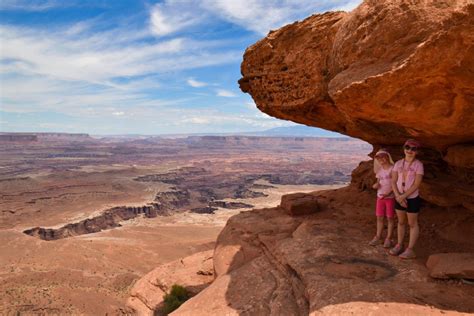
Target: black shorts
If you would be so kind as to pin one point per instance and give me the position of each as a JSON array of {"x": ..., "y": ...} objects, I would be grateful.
[{"x": 413, "y": 205}]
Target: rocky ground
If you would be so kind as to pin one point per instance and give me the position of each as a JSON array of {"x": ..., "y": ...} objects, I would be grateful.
[{"x": 267, "y": 262}]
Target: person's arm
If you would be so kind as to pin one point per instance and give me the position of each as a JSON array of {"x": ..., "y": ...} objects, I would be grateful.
[
  {"x": 390, "y": 191},
  {"x": 394, "y": 184},
  {"x": 414, "y": 187},
  {"x": 398, "y": 196},
  {"x": 376, "y": 184}
]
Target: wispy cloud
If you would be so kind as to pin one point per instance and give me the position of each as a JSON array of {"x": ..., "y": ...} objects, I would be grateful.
[
  {"x": 28, "y": 5},
  {"x": 195, "y": 83},
  {"x": 171, "y": 16},
  {"x": 225, "y": 93},
  {"x": 64, "y": 69},
  {"x": 262, "y": 16},
  {"x": 101, "y": 57},
  {"x": 259, "y": 16},
  {"x": 219, "y": 120}
]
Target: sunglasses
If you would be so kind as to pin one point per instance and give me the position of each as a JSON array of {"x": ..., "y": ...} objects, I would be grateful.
[{"x": 407, "y": 147}]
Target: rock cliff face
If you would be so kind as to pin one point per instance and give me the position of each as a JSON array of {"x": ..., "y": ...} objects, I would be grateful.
[
  {"x": 385, "y": 72},
  {"x": 110, "y": 218}
]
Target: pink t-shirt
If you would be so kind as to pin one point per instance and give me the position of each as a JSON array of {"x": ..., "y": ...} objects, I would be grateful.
[
  {"x": 385, "y": 181},
  {"x": 411, "y": 169}
]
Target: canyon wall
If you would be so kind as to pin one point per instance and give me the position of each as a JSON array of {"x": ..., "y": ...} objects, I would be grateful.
[
  {"x": 385, "y": 72},
  {"x": 110, "y": 218}
]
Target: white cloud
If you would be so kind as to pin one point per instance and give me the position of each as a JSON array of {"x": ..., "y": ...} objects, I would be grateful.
[
  {"x": 220, "y": 120},
  {"x": 259, "y": 16},
  {"x": 68, "y": 69},
  {"x": 196, "y": 120},
  {"x": 349, "y": 6},
  {"x": 262, "y": 16},
  {"x": 251, "y": 105},
  {"x": 118, "y": 113},
  {"x": 195, "y": 83},
  {"x": 105, "y": 55},
  {"x": 28, "y": 5},
  {"x": 172, "y": 16},
  {"x": 225, "y": 93}
]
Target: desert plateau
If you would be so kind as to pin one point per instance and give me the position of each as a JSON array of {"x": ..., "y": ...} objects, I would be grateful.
[{"x": 166, "y": 198}]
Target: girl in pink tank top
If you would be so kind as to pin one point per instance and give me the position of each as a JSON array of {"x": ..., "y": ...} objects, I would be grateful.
[{"x": 385, "y": 205}]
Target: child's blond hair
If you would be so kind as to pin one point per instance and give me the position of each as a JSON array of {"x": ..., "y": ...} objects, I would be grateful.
[{"x": 377, "y": 165}]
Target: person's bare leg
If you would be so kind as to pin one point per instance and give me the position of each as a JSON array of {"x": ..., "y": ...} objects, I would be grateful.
[
  {"x": 379, "y": 227},
  {"x": 390, "y": 225},
  {"x": 414, "y": 229},
  {"x": 402, "y": 222}
]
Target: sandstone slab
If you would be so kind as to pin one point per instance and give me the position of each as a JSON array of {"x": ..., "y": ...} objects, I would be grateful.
[
  {"x": 299, "y": 204},
  {"x": 460, "y": 156},
  {"x": 451, "y": 265},
  {"x": 194, "y": 273},
  {"x": 372, "y": 73}
]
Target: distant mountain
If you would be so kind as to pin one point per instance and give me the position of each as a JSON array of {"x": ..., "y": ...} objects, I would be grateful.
[
  {"x": 298, "y": 130},
  {"x": 287, "y": 131}
]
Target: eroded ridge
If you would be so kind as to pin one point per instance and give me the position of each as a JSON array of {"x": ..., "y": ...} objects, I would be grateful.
[{"x": 109, "y": 219}]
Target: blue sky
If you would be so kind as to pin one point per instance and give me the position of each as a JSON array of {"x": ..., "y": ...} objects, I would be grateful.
[{"x": 135, "y": 66}]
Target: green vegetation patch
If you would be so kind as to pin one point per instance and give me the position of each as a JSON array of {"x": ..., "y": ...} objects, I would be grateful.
[{"x": 174, "y": 299}]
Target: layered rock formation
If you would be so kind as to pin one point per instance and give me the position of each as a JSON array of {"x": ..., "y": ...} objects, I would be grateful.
[
  {"x": 110, "y": 218},
  {"x": 385, "y": 72}
]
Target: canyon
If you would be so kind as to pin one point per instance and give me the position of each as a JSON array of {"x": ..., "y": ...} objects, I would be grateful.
[{"x": 84, "y": 218}]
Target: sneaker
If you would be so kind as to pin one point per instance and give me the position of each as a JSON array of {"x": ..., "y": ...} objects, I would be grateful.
[
  {"x": 375, "y": 241},
  {"x": 408, "y": 254},
  {"x": 388, "y": 243},
  {"x": 395, "y": 251}
]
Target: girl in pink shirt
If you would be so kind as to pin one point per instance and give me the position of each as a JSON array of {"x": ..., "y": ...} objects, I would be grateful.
[
  {"x": 407, "y": 175},
  {"x": 385, "y": 205}
]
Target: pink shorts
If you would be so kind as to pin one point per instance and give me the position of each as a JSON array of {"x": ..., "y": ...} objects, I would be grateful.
[{"x": 385, "y": 207}]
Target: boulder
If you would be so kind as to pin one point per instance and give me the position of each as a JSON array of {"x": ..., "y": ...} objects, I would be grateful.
[
  {"x": 451, "y": 265},
  {"x": 460, "y": 156},
  {"x": 299, "y": 204},
  {"x": 372, "y": 73},
  {"x": 194, "y": 273}
]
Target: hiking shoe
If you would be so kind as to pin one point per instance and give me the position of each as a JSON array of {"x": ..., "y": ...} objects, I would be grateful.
[
  {"x": 408, "y": 254},
  {"x": 375, "y": 241},
  {"x": 388, "y": 243},
  {"x": 395, "y": 251}
]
